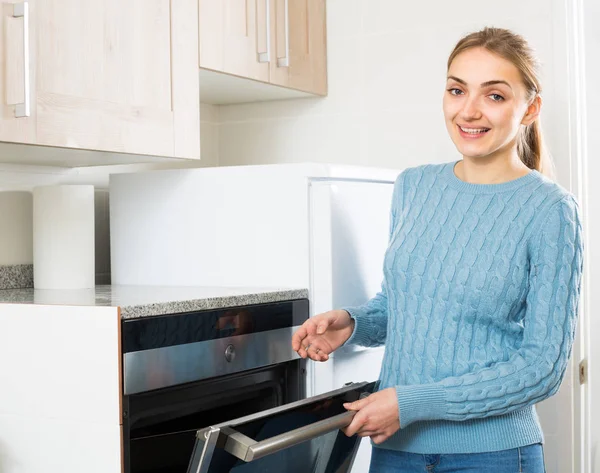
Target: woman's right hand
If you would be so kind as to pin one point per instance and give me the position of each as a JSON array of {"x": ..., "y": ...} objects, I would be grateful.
[{"x": 322, "y": 334}]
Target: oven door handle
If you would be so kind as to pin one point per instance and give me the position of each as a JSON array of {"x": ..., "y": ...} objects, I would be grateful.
[{"x": 247, "y": 449}]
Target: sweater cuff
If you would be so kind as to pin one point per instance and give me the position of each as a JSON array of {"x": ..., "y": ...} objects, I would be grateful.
[
  {"x": 361, "y": 333},
  {"x": 420, "y": 402}
]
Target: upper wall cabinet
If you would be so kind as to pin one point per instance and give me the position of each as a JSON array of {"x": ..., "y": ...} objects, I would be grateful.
[
  {"x": 262, "y": 49},
  {"x": 119, "y": 76}
]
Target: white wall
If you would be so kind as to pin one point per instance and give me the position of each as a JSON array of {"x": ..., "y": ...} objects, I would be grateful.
[
  {"x": 16, "y": 214},
  {"x": 386, "y": 70}
]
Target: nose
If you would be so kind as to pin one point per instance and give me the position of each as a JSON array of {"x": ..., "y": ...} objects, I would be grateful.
[{"x": 471, "y": 109}]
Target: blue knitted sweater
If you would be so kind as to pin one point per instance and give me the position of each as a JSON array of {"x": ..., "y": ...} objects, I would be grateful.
[{"x": 477, "y": 310}]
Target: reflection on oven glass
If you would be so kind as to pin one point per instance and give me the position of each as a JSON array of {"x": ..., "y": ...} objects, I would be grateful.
[{"x": 233, "y": 323}]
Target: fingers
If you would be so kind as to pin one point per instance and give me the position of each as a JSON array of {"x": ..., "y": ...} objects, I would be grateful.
[
  {"x": 356, "y": 405},
  {"x": 304, "y": 347},
  {"x": 305, "y": 340},
  {"x": 312, "y": 350},
  {"x": 360, "y": 420},
  {"x": 307, "y": 329},
  {"x": 316, "y": 353},
  {"x": 314, "y": 326},
  {"x": 375, "y": 435},
  {"x": 356, "y": 424},
  {"x": 298, "y": 337},
  {"x": 311, "y": 327},
  {"x": 322, "y": 327},
  {"x": 303, "y": 351}
]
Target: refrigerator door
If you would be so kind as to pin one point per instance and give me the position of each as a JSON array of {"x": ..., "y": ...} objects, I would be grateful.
[
  {"x": 349, "y": 231},
  {"x": 300, "y": 437}
]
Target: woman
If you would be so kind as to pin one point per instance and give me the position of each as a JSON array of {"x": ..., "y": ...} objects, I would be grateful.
[{"x": 482, "y": 276}]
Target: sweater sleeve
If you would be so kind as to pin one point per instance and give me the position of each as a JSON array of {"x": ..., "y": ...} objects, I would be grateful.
[
  {"x": 535, "y": 371},
  {"x": 370, "y": 319}
]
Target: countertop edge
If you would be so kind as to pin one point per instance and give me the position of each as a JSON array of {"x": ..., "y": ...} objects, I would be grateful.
[
  {"x": 189, "y": 305},
  {"x": 146, "y": 301}
]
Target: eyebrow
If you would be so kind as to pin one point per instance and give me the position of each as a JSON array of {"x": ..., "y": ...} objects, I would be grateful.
[{"x": 483, "y": 84}]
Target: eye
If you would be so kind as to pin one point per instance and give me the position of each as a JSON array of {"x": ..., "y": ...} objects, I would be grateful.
[
  {"x": 497, "y": 98},
  {"x": 452, "y": 90}
]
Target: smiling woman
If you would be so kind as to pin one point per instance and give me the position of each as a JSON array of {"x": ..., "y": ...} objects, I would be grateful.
[
  {"x": 482, "y": 279},
  {"x": 493, "y": 101}
]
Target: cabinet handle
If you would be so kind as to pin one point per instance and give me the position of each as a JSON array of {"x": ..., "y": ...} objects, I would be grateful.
[
  {"x": 285, "y": 60},
  {"x": 266, "y": 56},
  {"x": 22, "y": 10}
]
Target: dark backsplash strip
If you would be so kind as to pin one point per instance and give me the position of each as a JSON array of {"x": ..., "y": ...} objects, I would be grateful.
[{"x": 16, "y": 276}]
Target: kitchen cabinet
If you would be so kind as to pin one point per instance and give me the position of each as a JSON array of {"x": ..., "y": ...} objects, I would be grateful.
[
  {"x": 232, "y": 33},
  {"x": 262, "y": 49},
  {"x": 117, "y": 76},
  {"x": 299, "y": 44}
]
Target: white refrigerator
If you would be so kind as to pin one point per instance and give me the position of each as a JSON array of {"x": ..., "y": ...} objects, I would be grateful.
[{"x": 321, "y": 227}]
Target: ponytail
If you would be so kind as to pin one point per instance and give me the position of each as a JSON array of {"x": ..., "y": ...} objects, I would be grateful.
[{"x": 532, "y": 150}]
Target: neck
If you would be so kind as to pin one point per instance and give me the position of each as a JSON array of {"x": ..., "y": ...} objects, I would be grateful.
[{"x": 490, "y": 169}]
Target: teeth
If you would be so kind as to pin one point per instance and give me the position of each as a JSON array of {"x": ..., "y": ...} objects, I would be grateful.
[{"x": 473, "y": 131}]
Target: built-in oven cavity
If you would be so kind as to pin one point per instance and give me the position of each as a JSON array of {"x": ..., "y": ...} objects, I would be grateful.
[{"x": 160, "y": 426}]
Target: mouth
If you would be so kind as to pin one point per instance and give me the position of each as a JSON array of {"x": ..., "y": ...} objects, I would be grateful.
[{"x": 472, "y": 132}]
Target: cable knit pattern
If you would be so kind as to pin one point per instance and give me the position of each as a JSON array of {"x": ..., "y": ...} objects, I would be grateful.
[{"x": 477, "y": 310}]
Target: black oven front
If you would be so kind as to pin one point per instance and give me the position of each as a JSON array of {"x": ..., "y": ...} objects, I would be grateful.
[{"x": 222, "y": 391}]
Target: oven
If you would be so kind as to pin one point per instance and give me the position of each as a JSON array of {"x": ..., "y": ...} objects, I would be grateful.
[{"x": 222, "y": 391}]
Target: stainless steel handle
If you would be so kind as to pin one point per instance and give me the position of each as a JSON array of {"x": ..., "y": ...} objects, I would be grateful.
[
  {"x": 22, "y": 10},
  {"x": 247, "y": 449},
  {"x": 266, "y": 56},
  {"x": 285, "y": 61}
]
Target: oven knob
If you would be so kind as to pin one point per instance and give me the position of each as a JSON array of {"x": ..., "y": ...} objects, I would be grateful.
[{"x": 230, "y": 353}]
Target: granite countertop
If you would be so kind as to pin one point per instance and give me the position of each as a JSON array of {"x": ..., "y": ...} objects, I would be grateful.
[{"x": 143, "y": 301}]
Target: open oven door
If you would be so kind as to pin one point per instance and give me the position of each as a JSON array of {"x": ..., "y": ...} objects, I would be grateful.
[{"x": 300, "y": 437}]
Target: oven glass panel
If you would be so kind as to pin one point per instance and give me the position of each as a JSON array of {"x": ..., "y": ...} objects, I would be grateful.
[{"x": 332, "y": 452}]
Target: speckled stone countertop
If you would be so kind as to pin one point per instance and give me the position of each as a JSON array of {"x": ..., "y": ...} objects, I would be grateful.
[
  {"x": 16, "y": 276},
  {"x": 144, "y": 301}
]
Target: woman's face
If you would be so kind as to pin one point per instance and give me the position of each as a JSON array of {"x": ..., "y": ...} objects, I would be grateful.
[{"x": 485, "y": 104}]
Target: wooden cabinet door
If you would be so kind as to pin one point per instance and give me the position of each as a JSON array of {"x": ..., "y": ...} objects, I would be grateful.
[
  {"x": 299, "y": 34},
  {"x": 15, "y": 76},
  {"x": 116, "y": 75},
  {"x": 234, "y": 37}
]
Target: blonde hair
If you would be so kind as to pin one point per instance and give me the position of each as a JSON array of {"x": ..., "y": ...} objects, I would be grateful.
[{"x": 514, "y": 48}]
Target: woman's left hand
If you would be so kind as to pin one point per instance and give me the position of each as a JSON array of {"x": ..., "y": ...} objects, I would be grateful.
[{"x": 377, "y": 416}]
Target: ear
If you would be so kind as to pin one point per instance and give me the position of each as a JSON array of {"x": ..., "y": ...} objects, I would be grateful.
[{"x": 533, "y": 110}]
